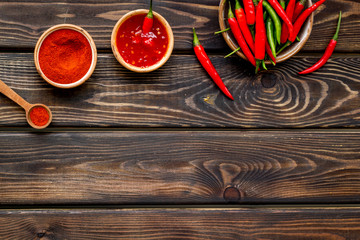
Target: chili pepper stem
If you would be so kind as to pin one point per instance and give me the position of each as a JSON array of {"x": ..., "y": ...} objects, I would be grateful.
[
  {"x": 336, "y": 35},
  {"x": 150, "y": 13},
  {"x": 283, "y": 47},
  {"x": 196, "y": 41},
  {"x": 265, "y": 15},
  {"x": 282, "y": 4},
  {"x": 221, "y": 31},
  {"x": 232, "y": 52},
  {"x": 257, "y": 68},
  {"x": 263, "y": 64}
]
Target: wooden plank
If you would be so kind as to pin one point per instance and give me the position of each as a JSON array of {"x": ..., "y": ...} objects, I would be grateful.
[
  {"x": 192, "y": 167},
  {"x": 267, "y": 223},
  {"x": 22, "y": 22},
  {"x": 181, "y": 94},
  {"x": 325, "y": 24}
]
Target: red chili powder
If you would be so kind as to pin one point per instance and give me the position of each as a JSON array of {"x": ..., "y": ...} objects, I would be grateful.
[
  {"x": 65, "y": 56},
  {"x": 39, "y": 116},
  {"x": 139, "y": 49}
]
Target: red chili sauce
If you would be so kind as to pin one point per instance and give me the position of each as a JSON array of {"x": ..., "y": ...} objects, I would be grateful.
[{"x": 139, "y": 49}]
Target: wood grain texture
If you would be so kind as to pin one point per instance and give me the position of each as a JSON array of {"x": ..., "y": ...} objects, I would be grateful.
[
  {"x": 181, "y": 94},
  {"x": 226, "y": 224},
  {"x": 192, "y": 167},
  {"x": 22, "y": 22}
]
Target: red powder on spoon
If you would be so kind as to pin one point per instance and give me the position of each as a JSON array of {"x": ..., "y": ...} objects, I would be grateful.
[{"x": 39, "y": 116}]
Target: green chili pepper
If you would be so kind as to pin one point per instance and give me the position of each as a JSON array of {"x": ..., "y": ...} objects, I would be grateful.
[
  {"x": 270, "y": 35},
  {"x": 275, "y": 18}
]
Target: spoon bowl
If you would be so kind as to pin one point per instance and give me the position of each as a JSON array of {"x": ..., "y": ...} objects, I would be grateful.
[{"x": 28, "y": 118}]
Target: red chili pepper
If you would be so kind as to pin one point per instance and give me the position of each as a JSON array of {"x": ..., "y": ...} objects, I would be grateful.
[
  {"x": 329, "y": 50},
  {"x": 239, "y": 37},
  {"x": 241, "y": 18},
  {"x": 299, "y": 6},
  {"x": 301, "y": 19},
  {"x": 209, "y": 67},
  {"x": 250, "y": 11},
  {"x": 280, "y": 11},
  {"x": 284, "y": 30},
  {"x": 149, "y": 20},
  {"x": 260, "y": 36}
]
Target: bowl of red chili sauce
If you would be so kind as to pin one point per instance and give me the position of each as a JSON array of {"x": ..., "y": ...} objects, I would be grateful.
[
  {"x": 138, "y": 51},
  {"x": 65, "y": 56}
]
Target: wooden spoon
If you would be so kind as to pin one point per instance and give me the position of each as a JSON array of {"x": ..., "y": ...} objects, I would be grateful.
[{"x": 7, "y": 91}]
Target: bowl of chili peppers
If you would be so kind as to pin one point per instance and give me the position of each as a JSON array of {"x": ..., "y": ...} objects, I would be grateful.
[
  {"x": 65, "y": 56},
  {"x": 266, "y": 31},
  {"x": 142, "y": 40}
]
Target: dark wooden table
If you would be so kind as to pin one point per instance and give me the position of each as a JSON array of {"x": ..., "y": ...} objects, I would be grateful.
[{"x": 165, "y": 155}]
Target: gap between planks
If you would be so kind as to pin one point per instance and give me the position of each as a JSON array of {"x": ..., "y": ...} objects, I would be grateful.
[
  {"x": 209, "y": 207},
  {"x": 180, "y": 129}
]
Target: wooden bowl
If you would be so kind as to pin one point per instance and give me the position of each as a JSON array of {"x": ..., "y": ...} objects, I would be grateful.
[
  {"x": 287, "y": 53},
  {"x": 156, "y": 65},
  {"x": 93, "y": 49}
]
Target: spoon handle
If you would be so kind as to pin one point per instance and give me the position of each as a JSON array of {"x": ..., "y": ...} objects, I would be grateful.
[{"x": 7, "y": 91}]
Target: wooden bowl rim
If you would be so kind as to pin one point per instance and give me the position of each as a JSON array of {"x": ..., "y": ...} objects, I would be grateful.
[
  {"x": 287, "y": 53},
  {"x": 93, "y": 49},
  {"x": 158, "y": 64}
]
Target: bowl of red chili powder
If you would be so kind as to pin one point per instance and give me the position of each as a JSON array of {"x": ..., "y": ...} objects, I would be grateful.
[
  {"x": 65, "y": 56},
  {"x": 138, "y": 51}
]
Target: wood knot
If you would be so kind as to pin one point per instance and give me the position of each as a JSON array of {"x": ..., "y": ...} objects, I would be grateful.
[
  {"x": 232, "y": 194},
  {"x": 41, "y": 234},
  {"x": 268, "y": 80}
]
